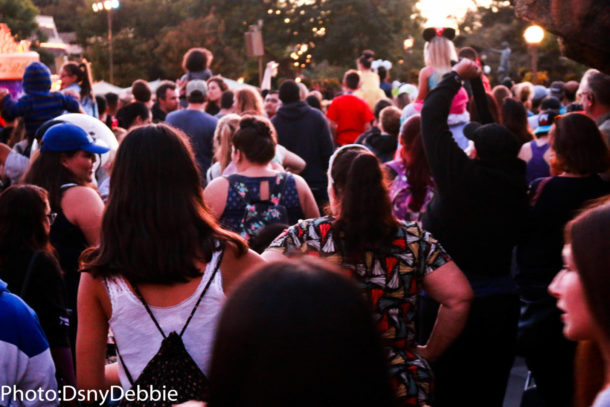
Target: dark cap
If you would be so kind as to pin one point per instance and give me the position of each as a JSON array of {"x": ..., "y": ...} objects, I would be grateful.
[
  {"x": 550, "y": 103},
  {"x": 545, "y": 121},
  {"x": 492, "y": 141},
  {"x": 557, "y": 89}
]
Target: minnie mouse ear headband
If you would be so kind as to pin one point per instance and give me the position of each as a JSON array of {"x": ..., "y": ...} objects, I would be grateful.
[{"x": 430, "y": 33}]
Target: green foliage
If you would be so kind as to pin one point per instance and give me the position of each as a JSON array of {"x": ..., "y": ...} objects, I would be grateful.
[{"x": 19, "y": 16}]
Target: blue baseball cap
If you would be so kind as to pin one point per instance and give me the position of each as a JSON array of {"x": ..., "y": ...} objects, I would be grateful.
[{"x": 69, "y": 137}]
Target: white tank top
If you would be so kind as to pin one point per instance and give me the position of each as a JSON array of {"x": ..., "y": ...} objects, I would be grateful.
[{"x": 137, "y": 337}]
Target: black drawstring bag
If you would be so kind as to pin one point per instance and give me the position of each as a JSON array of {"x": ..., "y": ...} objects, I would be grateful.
[{"x": 172, "y": 368}]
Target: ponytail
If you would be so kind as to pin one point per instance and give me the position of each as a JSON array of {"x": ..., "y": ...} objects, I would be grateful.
[
  {"x": 86, "y": 88},
  {"x": 365, "y": 221}
]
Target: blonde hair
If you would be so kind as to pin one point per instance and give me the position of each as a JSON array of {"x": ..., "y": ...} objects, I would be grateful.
[
  {"x": 223, "y": 138},
  {"x": 438, "y": 54},
  {"x": 248, "y": 100}
]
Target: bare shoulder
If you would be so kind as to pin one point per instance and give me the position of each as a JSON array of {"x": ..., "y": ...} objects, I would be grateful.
[
  {"x": 81, "y": 192},
  {"x": 217, "y": 184},
  {"x": 93, "y": 288},
  {"x": 235, "y": 267}
]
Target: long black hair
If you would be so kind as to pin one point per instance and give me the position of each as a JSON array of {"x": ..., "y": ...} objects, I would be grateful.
[{"x": 298, "y": 333}]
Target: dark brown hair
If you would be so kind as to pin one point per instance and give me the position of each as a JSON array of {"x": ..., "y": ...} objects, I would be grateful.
[
  {"x": 414, "y": 158},
  {"x": 365, "y": 221},
  {"x": 214, "y": 105},
  {"x": 141, "y": 91},
  {"x": 306, "y": 313},
  {"x": 390, "y": 120},
  {"x": 22, "y": 219},
  {"x": 156, "y": 224},
  {"x": 491, "y": 105},
  {"x": 47, "y": 171},
  {"x": 578, "y": 145},
  {"x": 83, "y": 78},
  {"x": 366, "y": 59},
  {"x": 163, "y": 87},
  {"x": 588, "y": 234},
  {"x": 256, "y": 139},
  {"x": 351, "y": 79},
  {"x": 514, "y": 118},
  {"x": 197, "y": 59}
]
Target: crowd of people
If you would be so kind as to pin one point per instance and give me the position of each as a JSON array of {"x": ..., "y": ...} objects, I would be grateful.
[{"x": 387, "y": 247}]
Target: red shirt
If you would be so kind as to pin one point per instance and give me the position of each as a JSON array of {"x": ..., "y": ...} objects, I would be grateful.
[{"x": 351, "y": 115}]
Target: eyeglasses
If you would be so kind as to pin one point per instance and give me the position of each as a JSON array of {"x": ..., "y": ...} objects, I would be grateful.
[{"x": 51, "y": 217}]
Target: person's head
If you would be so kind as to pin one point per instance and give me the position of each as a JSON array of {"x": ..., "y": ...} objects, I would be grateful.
[
  {"x": 571, "y": 87},
  {"x": 36, "y": 78},
  {"x": 216, "y": 85},
  {"x": 25, "y": 219},
  {"x": 196, "y": 91},
  {"x": 272, "y": 103},
  {"x": 493, "y": 142},
  {"x": 314, "y": 102},
  {"x": 155, "y": 192},
  {"x": 196, "y": 60},
  {"x": 265, "y": 236},
  {"x": 546, "y": 119},
  {"x": 223, "y": 138},
  {"x": 582, "y": 287},
  {"x": 550, "y": 103},
  {"x": 524, "y": 93},
  {"x": 227, "y": 100},
  {"x": 101, "y": 105},
  {"x": 439, "y": 50},
  {"x": 133, "y": 114},
  {"x": 167, "y": 96},
  {"x": 415, "y": 161},
  {"x": 359, "y": 199},
  {"x": 557, "y": 90},
  {"x": 141, "y": 91},
  {"x": 380, "y": 105},
  {"x": 289, "y": 92},
  {"x": 389, "y": 120},
  {"x": 72, "y": 72},
  {"x": 255, "y": 140},
  {"x": 351, "y": 80},
  {"x": 289, "y": 335},
  {"x": 578, "y": 145},
  {"x": 365, "y": 60},
  {"x": 500, "y": 93},
  {"x": 250, "y": 101},
  {"x": 382, "y": 73},
  {"x": 595, "y": 94},
  {"x": 112, "y": 102},
  {"x": 468, "y": 52},
  {"x": 67, "y": 155},
  {"x": 514, "y": 118}
]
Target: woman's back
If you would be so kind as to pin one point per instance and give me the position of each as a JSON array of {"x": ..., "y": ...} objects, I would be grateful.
[{"x": 132, "y": 326}]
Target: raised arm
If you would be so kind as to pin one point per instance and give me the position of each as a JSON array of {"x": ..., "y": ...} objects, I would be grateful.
[{"x": 447, "y": 161}]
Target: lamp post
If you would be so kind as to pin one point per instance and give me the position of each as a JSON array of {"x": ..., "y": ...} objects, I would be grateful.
[
  {"x": 407, "y": 44},
  {"x": 533, "y": 37},
  {"x": 108, "y": 5}
]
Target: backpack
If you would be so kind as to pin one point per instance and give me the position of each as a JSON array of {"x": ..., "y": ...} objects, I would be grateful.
[
  {"x": 260, "y": 213},
  {"x": 172, "y": 368}
]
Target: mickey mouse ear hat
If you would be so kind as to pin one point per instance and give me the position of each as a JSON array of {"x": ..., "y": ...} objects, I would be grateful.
[{"x": 431, "y": 32}]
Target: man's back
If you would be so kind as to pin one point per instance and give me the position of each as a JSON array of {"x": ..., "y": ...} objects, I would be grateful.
[
  {"x": 351, "y": 114},
  {"x": 304, "y": 131},
  {"x": 199, "y": 127}
]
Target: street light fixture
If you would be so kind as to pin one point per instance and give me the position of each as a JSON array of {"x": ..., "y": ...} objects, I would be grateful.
[
  {"x": 407, "y": 44},
  {"x": 108, "y": 5},
  {"x": 533, "y": 37}
]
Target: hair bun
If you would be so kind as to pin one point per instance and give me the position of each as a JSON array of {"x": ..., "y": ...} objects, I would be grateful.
[{"x": 257, "y": 125}]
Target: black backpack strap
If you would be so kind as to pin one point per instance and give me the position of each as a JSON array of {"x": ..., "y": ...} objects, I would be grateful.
[
  {"x": 220, "y": 256},
  {"x": 28, "y": 273},
  {"x": 116, "y": 345},
  {"x": 139, "y": 294}
]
